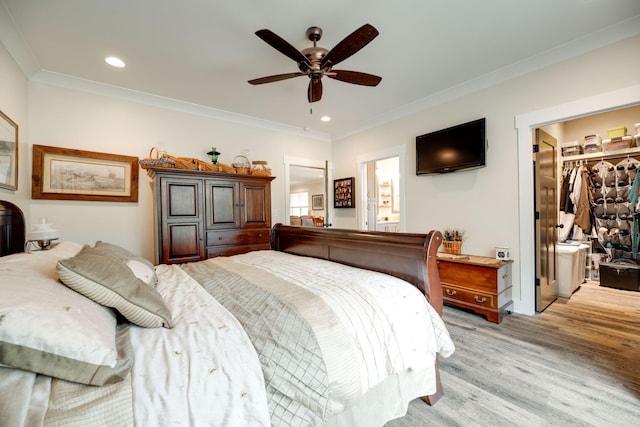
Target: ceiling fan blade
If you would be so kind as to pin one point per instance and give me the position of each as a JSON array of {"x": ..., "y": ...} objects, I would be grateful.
[
  {"x": 275, "y": 78},
  {"x": 314, "y": 92},
  {"x": 354, "y": 77},
  {"x": 283, "y": 46},
  {"x": 350, "y": 45}
]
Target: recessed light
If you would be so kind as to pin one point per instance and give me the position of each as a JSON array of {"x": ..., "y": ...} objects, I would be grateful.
[
  {"x": 325, "y": 118},
  {"x": 115, "y": 62}
]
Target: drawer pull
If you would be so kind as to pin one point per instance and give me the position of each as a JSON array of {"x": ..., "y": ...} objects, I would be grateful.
[
  {"x": 478, "y": 299},
  {"x": 504, "y": 276},
  {"x": 259, "y": 234},
  {"x": 450, "y": 292},
  {"x": 219, "y": 237}
]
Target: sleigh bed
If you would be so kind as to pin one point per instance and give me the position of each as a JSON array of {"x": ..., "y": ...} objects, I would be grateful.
[{"x": 330, "y": 327}]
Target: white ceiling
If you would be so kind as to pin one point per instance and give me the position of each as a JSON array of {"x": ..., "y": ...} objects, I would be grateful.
[{"x": 203, "y": 52}]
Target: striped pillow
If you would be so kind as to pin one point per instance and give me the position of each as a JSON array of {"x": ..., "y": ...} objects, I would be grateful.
[{"x": 99, "y": 275}]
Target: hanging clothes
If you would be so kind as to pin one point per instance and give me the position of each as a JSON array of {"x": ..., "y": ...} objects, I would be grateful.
[{"x": 584, "y": 199}]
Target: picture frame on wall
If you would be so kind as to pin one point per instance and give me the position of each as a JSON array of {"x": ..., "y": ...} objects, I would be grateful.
[
  {"x": 69, "y": 174},
  {"x": 8, "y": 153},
  {"x": 343, "y": 193},
  {"x": 317, "y": 202}
]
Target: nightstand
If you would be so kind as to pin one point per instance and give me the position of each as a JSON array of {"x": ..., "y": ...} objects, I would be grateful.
[{"x": 480, "y": 284}]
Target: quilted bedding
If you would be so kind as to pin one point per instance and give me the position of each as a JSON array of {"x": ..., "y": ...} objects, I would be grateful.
[{"x": 251, "y": 354}]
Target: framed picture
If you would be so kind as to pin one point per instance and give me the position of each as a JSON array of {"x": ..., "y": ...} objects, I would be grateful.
[
  {"x": 317, "y": 202},
  {"x": 343, "y": 193},
  {"x": 68, "y": 174},
  {"x": 8, "y": 153}
]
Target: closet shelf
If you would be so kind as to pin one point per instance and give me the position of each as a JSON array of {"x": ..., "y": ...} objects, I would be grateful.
[{"x": 603, "y": 155}]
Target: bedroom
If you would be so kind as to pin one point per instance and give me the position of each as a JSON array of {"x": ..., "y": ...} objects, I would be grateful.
[{"x": 53, "y": 109}]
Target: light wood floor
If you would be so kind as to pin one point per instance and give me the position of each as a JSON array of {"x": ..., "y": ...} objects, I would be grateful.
[{"x": 575, "y": 364}]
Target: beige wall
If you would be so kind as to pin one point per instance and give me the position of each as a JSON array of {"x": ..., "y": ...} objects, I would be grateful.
[
  {"x": 485, "y": 201},
  {"x": 13, "y": 102},
  {"x": 66, "y": 118},
  {"x": 57, "y": 116}
]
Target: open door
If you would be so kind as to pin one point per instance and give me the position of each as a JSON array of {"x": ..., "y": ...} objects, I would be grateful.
[{"x": 546, "y": 215}]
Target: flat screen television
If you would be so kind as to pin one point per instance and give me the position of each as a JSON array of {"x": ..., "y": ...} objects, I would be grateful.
[{"x": 452, "y": 149}]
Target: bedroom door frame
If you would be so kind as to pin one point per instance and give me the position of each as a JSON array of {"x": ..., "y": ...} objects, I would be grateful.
[
  {"x": 525, "y": 125},
  {"x": 398, "y": 151}
]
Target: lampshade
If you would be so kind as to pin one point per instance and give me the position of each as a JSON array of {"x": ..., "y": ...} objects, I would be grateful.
[{"x": 43, "y": 233}]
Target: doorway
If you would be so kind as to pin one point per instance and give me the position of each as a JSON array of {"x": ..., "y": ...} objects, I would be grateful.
[
  {"x": 381, "y": 193},
  {"x": 525, "y": 125}
]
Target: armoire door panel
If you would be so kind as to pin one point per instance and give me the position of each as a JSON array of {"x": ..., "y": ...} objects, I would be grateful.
[
  {"x": 255, "y": 202},
  {"x": 184, "y": 242},
  {"x": 182, "y": 200},
  {"x": 222, "y": 204},
  {"x": 253, "y": 205}
]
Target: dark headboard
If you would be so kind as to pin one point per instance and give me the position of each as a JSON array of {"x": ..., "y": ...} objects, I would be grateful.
[
  {"x": 11, "y": 229},
  {"x": 411, "y": 257}
]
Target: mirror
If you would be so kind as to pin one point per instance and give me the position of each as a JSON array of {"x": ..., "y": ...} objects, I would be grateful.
[{"x": 306, "y": 194}]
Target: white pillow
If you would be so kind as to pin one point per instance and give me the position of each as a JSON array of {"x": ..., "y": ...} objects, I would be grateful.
[{"x": 47, "y": 328}]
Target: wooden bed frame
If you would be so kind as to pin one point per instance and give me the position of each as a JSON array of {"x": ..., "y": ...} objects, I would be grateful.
[
  {"x": 12, "y": 229},
  {"x": 411, "y": 257}
]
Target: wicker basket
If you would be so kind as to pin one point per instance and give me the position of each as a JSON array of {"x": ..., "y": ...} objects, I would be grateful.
[
  {"x": 225, "y": 168},
  {"x": 453, "y": 247},
  {"x": 242, "y": 165},
  {"x": 156, "y": 161},
  {"x": 260, "y": 168}
]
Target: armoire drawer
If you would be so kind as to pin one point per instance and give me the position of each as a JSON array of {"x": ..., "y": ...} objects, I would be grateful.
[
  {"x": 238, "y": 237},
  {"x": 216, "y": 251},
  {"x": 469, "y": 296}
]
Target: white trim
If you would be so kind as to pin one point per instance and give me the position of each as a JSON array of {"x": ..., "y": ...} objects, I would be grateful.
[
  {"x": 116, "y": 92},
  {"x": 361, "y": 160},
  {"x": 592, "y": 41},
  {"x": 525, "y": 124}
]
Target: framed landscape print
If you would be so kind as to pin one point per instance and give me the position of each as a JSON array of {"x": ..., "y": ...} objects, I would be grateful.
[
  {"x": 68, "y": 174},
  {"x": 317, "y": 202},
  {"x": 343, "y": 193},
  {"x": 8, "y": 153}
]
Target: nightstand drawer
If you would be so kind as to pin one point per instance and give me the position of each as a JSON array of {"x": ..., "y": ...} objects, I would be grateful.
[
  {"x": 468, "y": 296},
  {"x": 238, "y": 237}
]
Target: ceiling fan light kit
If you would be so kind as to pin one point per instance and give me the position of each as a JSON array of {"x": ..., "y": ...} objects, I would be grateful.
[{"x": 316, "y": 62}]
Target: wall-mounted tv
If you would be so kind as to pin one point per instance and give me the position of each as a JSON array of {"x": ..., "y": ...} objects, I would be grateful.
[{"x": 452, "y": 149}]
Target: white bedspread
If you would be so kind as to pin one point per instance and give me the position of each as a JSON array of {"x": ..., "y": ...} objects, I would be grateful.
[
  {"x": 395, "y": 327},
  {"x": 204, "y": 371}
]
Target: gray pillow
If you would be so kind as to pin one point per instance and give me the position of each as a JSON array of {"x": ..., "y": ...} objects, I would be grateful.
[
  {"x": 141, "y": 267},
  {"x": 107, "y": 280}
]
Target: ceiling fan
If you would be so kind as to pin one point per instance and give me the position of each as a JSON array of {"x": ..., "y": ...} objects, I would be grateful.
[{"x": 317, "y": 62}]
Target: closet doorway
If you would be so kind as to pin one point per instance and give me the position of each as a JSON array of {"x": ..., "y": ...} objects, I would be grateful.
[
  {"x": 526, "y": 125},
  {"x": 604, "y": 223}
]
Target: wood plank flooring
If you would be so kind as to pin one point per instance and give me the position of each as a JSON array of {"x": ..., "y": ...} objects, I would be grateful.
[{"x": 575, "y": 364}]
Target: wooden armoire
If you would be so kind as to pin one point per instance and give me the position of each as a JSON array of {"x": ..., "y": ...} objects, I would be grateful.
[{"x": 201, "y": 215}]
